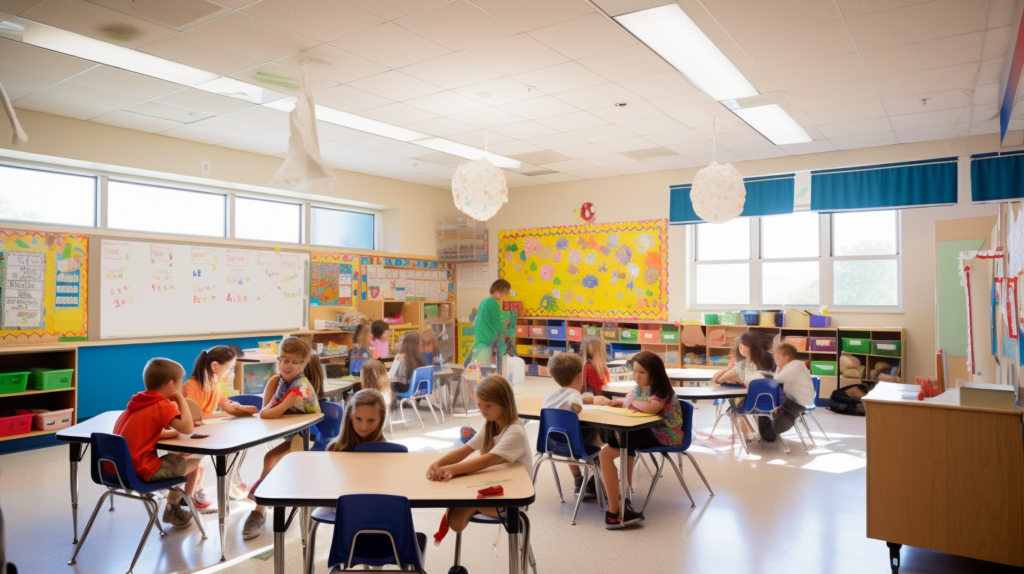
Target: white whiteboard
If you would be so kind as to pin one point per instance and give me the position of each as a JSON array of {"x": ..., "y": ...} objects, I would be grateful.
[{"x": 163, "y": 289}]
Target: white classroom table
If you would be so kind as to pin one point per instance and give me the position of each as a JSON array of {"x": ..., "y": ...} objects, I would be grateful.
[
  {"x": 399, "y": 474},
  {"x": 690, "y": 374},
  {"x": 227, "y": 435}
]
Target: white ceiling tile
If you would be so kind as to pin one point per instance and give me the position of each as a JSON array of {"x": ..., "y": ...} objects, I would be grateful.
[
  {"x": 480, "y": 138},
  {"x": 197, "y": 52},
  {"x": 985, "y": 127},
  {"x": 833, "y": 131},
  {"x": 260, "y": 118},
  {"x": 791, "y": 47},
  {"x": 677, "y": 137},
  {"x": 333, "y": 63},
  {"x": 601, "y": 96},
  {"x": 931, "y": 133},
  {"x": 627, "y": 63},
  {"x": 390, "y": 45},
  {"x": 445, "y": 172},
  {"x": 853, "y": 8},
  {"x": 721, "y": 156},
  {"x": 930, "y": 102},
  {"x": 996, "y": 42},
  {"x": 693, "y": 148},
  {"x": 95, "y": 21},
  {"x": 19, "y": 84},
  {"x": 456, "y": 25},
  {"x": 170, "y": 14},
  {"x": 395, "y": 85},
  {"x": 765, "y": 152},
  {"x": 918, "y": 23},
  {"x": 281, "y": 79},
  {"x": 392, "y": 9},
  {"x": 568, "y": 165},
  {"x": 533, "y": 14},
  {"x": 627, "y": 144},
  {"x": 833, "y": 95},
  {"x": 514, "y": 147},
  {"x": 833, "y": 70},
  {"x": 631, "y": 168},
  {"x": 978, "y": 113},
  {"x": 169, "y": 112},
  {"x": 398, "y": 114},
  {"x": 440, "y": 127},
  {"x": 743, "y": 142},
  {"x": 663, "y": 85},
  {"x": 929, "y": 119},
  {"x": 818, "y": 146},
  {"x": 327, "y": 148},
  {"x": 523, "y": 130},
  {"x": 684, "y": 162},
  {"x": 499, "y": 91},
  {"x": 555, "y": 141},
  {"x": 489, "y": 117},
  {"x": 573, "y": 121},
  {"x": 137, "y": 122},
  {"x": 542, "y": 107},
  {"x": 872, "y": 140},
  {"x": 446, "y": 103},
  {"x": 250, "y": 35},
  {"x": 236, "y": 3},
  {"x": 594, "y": 173},
  {"x": 15, "y": 7},
  {"x": 609, "y": 160},
  {"x": 124, "y": 82},
  {"x": 560, "y": 78},
  {"x": 334, "y": 132},
  {"x": 514, "y": 55},
  {"x": 201, "y": 135},
  {"x": 991, "y": 71},
  {"x": 603, "y": 134},
  {"x": 584, "y": 36},
  {"x": 253, "y": 145},
  {"x": 324, "y": 20},
  {"x": 985, "y": 94},
  {"x": 749, "y": 20},
  {"x": 377, "y": 156},
  {"x": 695, "y": 98},
  {"x": 29, "y": 59},
  {"x": 415, "y": 165},
  {"x": 922, "y": 82},
  {"x": 558, "y": 177},
  {"x": 936, "y": 53},
  {"x": 582, "y": 151},
  {"x": 634, "y": 111},
  {"x": 450, "y": 71},
  {"x": 846, "y": 112},
  {"x": 213, "y": 104},
  {"x": 349, "y": 99},
  {"x": 75, "y": 101}
]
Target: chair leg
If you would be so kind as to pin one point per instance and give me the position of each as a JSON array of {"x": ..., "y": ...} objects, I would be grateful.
[
  {"x": 696, "y": 466},
  {"x": 558, "y": 483},
  {"x": 819, "y": 425},
  {"x": 430, "y": 405},
  {"x": 88, "y": 526},
  {"x": 156, "y": 510},
  {"x": 679, "y": 475},
  {"x": 311, "y": 547},
  {"x": 783, "y": 439},
  {"x": 145, "y": 535},
  {"x": 111, "y": 504},
  {"x": 803, "y": 420},
  {"x": 579, "y": 498},
  {"x": 800, "y": 434},
  {"x": 192, "y": 508},
  {"x": 417, "y": 411},
  {"x": 458, "y": 548},
  {"x": 718, "y": 417},
  {"x": 654, "y": 483}
]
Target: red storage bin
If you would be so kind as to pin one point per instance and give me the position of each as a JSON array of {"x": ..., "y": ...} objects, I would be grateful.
[
  {"x": 13, "y": 423},
  {"x": 650, "y": 336},
  {"x": 574, "y": 333},
  {"x": 537, "y": 331},
  {"x": 522, "y": 331},
  {"x": 53, "y": 420}
]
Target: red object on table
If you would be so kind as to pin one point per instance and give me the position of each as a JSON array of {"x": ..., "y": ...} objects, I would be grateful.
[
  {"x": 928, "y": 389},
  {"x": 490, "y": 491}
]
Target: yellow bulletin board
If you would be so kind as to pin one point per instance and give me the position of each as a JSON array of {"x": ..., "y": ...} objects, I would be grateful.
[
  {"x": 606, "y": 271},
  {"x": 43, "y": 287}
]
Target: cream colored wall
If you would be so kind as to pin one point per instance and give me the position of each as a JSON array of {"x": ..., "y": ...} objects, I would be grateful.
[
  {"x": 409, "y": 210},
  {"x": 645, "y": 196}
]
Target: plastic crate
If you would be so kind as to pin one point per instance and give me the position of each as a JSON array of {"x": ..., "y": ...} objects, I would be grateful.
[
  {"x": 555, "y": 333},
  {"x": 522, "y": 331},
  {"x": 826, "y": 368},
  {"x": 537, "y": 331},
  {"x": 53, "y": 420},
  {"x": 629, "y": 335},
  {"x": 574, "y": 333},
  {"x": 610, "y": 334},
  {"x": 820, "y": 321},
  {"x": 524, "y": 349},
  {"x": 591, "y": 331},
  {"x": 669, "y": 336},
  {"x": 711, "y": 318},
  {"x": 50, "y": 379},
  {"x": 751, "y": 317},
  {"x": 430, "y": 311},
  {"x": 672, "y": 357},
  {"x": 887, "y": 348},
  {"x": 799, "y": 342},
  {"x": 532, "y": 370},
  {"x": 649, "y": 336},
  {"x": 13, "y": 382},
  {"x": 823, "y": 344},
  {"x": 856, "y": 345},
  {"x": 14, "y": 423}
]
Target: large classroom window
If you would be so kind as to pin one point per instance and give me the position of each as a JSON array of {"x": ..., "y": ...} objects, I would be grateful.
[
  {"x": 342, "y": 228},
  {"x": 47, "y": 197},
  {"x": 265, "y": 220},
  {"x": 153, "y": 209},
  {"x": 803, "y": 260}
]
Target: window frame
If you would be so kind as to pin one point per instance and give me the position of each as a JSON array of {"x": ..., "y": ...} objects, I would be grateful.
[
  {"x": 96, "y": 193},
  {"x": 825, "y": 259},
  {"x": 376, "y": 215}
]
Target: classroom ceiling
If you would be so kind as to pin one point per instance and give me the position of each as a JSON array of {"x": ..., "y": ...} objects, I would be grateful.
[{"x": 543, "y": 76}]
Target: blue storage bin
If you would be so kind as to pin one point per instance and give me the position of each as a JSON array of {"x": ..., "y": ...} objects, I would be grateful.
[
  {"x": 555, "y": 333},
  {"x": 751, "y": 317}
]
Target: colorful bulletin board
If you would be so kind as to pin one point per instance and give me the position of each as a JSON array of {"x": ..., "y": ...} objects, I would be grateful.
[
  {"x": 44, "y": 287},
  {"x": 607, "y": 271},
  {"x": 334, "y": 279},
  {"x": 400, "y": 279}
]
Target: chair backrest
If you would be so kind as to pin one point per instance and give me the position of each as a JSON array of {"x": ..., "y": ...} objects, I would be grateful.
[
  {"x": 465, "y": 434},
  {"x": 817, "y": 389},
  {"x": 686, "y": 408},
  {"x": 381, "y": 447},
  {"x": 560, "y": 433},
  {"x": 330, "y": 425},
  {"x": 762, "y": 395},
  {"x": 422, "y": 382},
  {"x": 248, "y": 400},
  {"x": 113, "y": 449},
  {"x": 376, "y": 530}
]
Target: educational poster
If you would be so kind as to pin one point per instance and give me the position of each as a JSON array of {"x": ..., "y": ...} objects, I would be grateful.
[
  {"x": 333, "y": 279},
  {"x": 43, "y": 278},
  {"x": 400, "y": 279},
  {"x": 608, "y": 270}
]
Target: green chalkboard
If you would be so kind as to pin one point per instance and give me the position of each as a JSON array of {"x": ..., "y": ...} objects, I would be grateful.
[{"x": 952, "y": 301}]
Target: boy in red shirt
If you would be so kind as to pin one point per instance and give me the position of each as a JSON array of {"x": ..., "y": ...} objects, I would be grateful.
[{"x": 158, "y": 413}]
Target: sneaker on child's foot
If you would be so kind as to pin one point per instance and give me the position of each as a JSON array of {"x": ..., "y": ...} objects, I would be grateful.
[
  {"x": 176, "y": 515},
  {"x": 578, "y": 479},
  {"x": 612, "y": 520},
  {"x": 253, "y": 525},
  {"x": 203, "y": 504},
  {"x": 591, "y": 491}
]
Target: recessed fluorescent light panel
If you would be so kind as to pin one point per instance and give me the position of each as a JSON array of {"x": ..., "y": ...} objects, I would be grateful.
[
  {"x": 669, "y": 31},
  {"x": 774, "y": 123},
  {"x": 362, "y": 124},
  {"x": 233, "y": 88},
  {"x": 468, "y": 152}
]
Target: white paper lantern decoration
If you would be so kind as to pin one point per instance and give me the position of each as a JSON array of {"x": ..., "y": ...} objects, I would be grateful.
[
  {"x": 479, "y": 189},
  {"x": 718, "y": 193}
]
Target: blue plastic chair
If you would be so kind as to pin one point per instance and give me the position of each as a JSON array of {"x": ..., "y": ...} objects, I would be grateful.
[
  {"x": 421, "y": 386},
  {"x": 113, "y": 449},
  {"x": 808, "y": 411},
  {"x": 376, "y": 530},
  {"x": 381, "y": 447},
  {"x": 248, "y": 400},
  {"x": 328, "y": 428},
  {"x": 687, "y": 411},
  {"x": 560, "y": 440},
  {"x": 762, "y": 399}
]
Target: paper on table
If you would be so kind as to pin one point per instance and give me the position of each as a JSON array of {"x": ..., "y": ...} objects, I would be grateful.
[{"x": 623, "y": 412}]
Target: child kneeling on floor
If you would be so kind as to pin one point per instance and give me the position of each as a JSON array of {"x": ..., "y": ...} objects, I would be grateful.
[{"x": 567, "y": 370}]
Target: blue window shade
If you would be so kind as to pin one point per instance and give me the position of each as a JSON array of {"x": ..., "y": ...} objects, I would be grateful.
[
  {"x": 997, "y": 177},
  {"x": 766, "y": 195},
  {"x": 885, "y": 186}
]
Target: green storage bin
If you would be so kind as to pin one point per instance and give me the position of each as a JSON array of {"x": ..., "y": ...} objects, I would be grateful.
[
  {"x": 50, "y": 379},
  {"x": 856, "y": 345},
  {"x": 13, "y": 382},
  {"x": 670, "y": 336},
  {"x": 430, "y": 311},
  {"x": 887, "y": 348},
  {"x": 591, "y": 331},
  {"x": 711, "y": 318},
  {"x": 629, "y": 335},
  {"x": 825, "y": 368}
]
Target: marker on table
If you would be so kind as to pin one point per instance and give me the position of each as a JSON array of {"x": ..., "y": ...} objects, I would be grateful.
[{"x": 489, "y": 482}]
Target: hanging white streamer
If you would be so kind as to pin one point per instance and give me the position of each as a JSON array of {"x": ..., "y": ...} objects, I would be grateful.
[
  {"x": 18, "y": 135},
  {"x": 304, "y": 165}
]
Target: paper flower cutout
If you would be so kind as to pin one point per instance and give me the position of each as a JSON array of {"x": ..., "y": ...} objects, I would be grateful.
[
  {"x": 479, "y": 189},
  {"x": 718, "y": 193}
]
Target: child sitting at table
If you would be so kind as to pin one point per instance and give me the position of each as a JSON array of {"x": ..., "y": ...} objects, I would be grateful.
[
  {"x": 296, "y": 388},
  {"x": 407, "y": 360},
  {"x": 503, "y": 440},
  {"x": 379, "y": 343},
  {"x": 752, "y": 361},
  {"x": 363, "y": 421},
  {"x": 567, "y": 370},
  {"x": 375, "y": 376},
  {"x": 158, "y": 413},
  {"x": 799, "y": 392},
  {"x": 360, "y": 352},
  {"x": 430, "y": 347},
  {"x": 653, "y": 395},
  {"x": 595, "y": 359}
]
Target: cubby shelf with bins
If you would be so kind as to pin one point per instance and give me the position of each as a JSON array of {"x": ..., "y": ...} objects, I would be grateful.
[
  {"x": 871, "y": 354},
  {"x": 25, "y": 357},
  {"x": 814, "y": 350},
  {"x": 416, "y": 316}
]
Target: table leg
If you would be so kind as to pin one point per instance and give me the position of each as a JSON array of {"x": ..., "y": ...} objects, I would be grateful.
[
  {"x": 623, "y": 472},
  {"x": 304, "y": 512},
  {"x": 512, "y": 517},
  {"x": 280, "y": 525},
  {"x": 220, "y": 464},
  {"x": 894, "y": 556},
  {"x": 76, "y": 454}
]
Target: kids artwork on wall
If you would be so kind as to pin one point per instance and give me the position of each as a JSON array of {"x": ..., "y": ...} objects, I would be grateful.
[
  {"x": 403, "y": 279},
  {"x": 606, "y": 270},
  {"x": 333, "y": 279},
  {"x": 43, "y": 289}
]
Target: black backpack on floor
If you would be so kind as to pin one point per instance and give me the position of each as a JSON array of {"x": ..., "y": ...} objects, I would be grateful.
[{"x": 845, "y": 402}]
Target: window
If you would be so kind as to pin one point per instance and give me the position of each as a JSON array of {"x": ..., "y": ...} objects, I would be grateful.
[
  {"x": 154, "y": 209},
  {"x": 790, "y": 246},
  {"x": 865, "y": 248},
  {"x": 264, "y": 220},
  {"x": 47, "y": 197},
  {"x": 340, "y": 228},
  {"x": 718, "y": 281}
]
